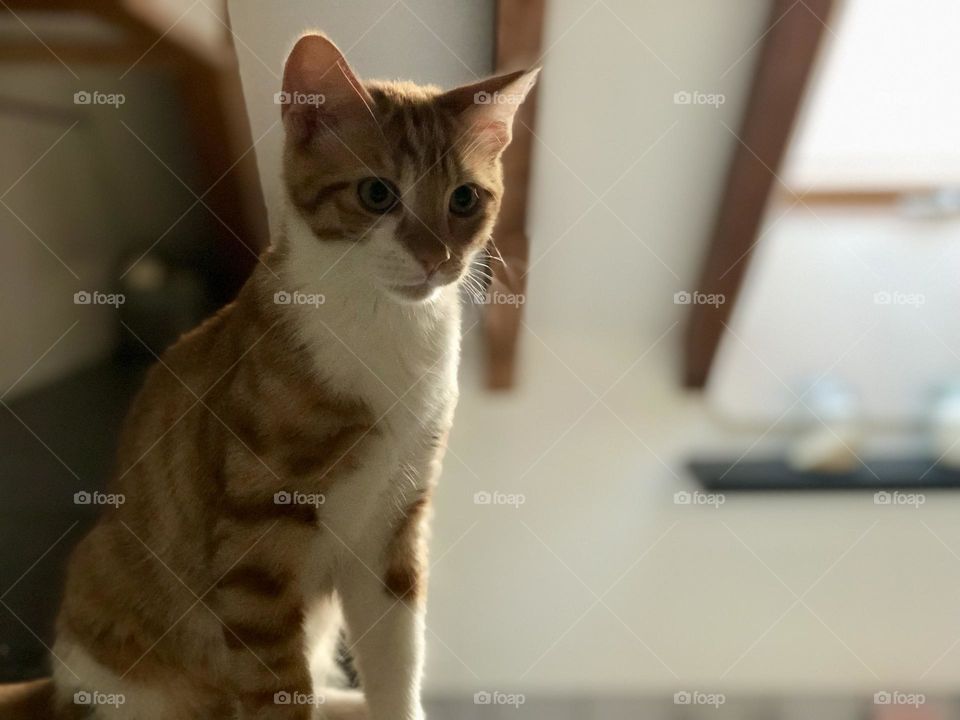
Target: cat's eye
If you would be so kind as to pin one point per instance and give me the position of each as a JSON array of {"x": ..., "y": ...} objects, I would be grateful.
[
  {"x": 465, "y": 200},
  {"x": 377, "y": 195}
]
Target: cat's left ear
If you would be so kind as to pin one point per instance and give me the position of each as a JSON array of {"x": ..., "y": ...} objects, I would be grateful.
[
  {"x": 487, "y": 108},
  {"x": 320, "y": 91}
]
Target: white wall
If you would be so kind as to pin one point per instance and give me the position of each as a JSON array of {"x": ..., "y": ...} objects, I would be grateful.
[{"x": 609, "y": 127}]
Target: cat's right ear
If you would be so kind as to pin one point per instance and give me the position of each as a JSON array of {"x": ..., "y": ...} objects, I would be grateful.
[{"x": 320, "y": 91}]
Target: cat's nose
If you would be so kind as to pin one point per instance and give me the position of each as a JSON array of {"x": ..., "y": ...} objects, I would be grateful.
[{"x": 432, "y": 260}]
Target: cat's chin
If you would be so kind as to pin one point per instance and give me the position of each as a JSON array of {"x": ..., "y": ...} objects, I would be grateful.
[{"x": 414, "y": 294}]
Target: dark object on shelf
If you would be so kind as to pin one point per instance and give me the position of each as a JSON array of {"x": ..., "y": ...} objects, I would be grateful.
[
  {"x": 161, "y": 302},
  {"x": 772, "y": 475}
]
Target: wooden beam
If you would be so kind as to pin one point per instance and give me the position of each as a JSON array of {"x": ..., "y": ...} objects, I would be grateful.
[
  {"x": 218, "y": 119},
  {"x": 782, "y": 71},
  {"x": 519, "y": 34},
  {"x": 125, "y": 53}
]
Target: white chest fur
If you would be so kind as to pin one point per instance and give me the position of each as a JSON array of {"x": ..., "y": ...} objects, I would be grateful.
[
  {"x": 400, "y": 360},
  {"x": 390, "y": 355}
]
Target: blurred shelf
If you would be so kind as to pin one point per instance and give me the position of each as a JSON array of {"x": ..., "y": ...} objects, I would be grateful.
[{"x": 773, "y": 475}]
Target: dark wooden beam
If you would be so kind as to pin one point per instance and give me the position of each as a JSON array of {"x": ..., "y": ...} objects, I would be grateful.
[
  {"x": 125, "y": 53},
  {"x": 519, "y": 34},
  {"x": 782, "y": 71},
  {"x": 220, "y": 126}
]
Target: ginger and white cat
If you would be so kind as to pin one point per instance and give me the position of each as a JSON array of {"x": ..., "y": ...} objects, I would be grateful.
[{"x": 277, "y": 464}]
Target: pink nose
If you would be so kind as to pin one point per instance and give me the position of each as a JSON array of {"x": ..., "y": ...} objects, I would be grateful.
[{"x": 432, "y": 262}]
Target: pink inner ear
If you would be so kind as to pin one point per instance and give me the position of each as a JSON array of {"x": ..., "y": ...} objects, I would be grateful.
[
  {"x": 494, "y": 135},
  {"x": 303, "y": 123},
  {"x": 488, "y": 107}
]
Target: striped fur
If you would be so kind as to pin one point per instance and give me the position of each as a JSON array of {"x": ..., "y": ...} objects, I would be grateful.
[{"x": 277, "y": 464}]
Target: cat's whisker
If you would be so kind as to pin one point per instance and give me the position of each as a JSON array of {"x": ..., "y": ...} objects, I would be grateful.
[
  {"x": 499, "y": 255},
  {"x": 476, "y": 289}
]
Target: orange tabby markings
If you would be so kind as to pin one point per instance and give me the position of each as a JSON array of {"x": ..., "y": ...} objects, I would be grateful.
[{"x": 406, "y": 570}]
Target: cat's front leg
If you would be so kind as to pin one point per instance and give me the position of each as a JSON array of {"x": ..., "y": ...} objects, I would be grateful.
[{"x": 383, "y": 588}]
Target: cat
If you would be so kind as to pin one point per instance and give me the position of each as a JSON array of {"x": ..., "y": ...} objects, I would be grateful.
[{"x": 277, "y": 465}]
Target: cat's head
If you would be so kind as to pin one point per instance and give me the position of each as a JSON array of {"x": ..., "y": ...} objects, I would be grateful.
[{"x": 406, "y": 178}]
